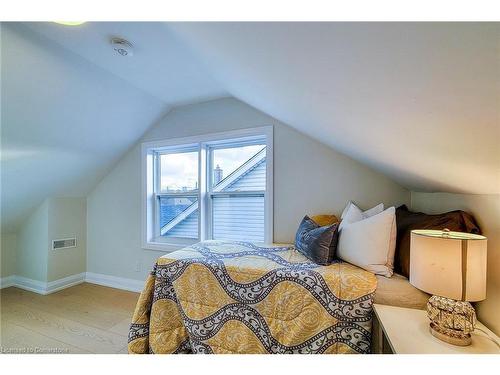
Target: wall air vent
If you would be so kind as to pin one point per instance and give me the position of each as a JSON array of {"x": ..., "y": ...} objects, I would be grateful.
[{"x": 64, "y": 243}]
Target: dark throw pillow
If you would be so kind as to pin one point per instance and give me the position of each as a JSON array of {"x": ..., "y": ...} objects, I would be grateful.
[
  {"x": 406, "y": 221},
  {"x": 317, "y": 243}
]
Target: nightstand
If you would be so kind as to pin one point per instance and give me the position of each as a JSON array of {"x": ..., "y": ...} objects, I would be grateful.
[{"x": 398, "y": 330}]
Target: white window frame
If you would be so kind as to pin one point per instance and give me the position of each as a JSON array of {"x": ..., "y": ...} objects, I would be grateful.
[
  {"x": 159, "y": 193},
  {"x": 150, "y": 238},
  {"x": 210, "y": 193}
]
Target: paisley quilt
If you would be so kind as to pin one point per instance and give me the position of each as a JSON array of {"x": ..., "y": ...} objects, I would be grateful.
[{"x": 238, "y": 297}]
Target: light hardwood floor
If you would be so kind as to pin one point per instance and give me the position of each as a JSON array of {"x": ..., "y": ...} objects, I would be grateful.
[{"x": 85, "y": 318}]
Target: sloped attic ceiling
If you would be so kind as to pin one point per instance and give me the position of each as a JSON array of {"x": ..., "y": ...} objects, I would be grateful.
[
  {"x": 65, "y": 120},
  {"x": 416, "y": 101}
]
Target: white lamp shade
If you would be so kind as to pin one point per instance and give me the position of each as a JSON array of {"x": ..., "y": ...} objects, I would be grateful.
[{"x": 449, "y": 264}]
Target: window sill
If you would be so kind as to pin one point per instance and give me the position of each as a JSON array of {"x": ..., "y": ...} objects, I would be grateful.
[{"x": 165, "y": 247}]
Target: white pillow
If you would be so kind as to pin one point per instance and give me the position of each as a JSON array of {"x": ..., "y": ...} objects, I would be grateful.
[
  {"x": 353, "y": 213},
  {"x": 370, "y": 243}
]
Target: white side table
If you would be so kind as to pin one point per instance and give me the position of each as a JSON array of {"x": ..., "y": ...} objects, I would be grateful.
[{"x": 400, "y": 330}]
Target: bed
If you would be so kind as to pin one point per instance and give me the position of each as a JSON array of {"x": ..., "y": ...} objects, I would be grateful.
[
  {"x": 397, "y": 291},
  {"x": 238, "y": 297}
]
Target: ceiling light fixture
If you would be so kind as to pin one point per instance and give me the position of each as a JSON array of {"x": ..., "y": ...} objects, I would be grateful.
[
  {"x": 122, "y": 47},
  {"x": 70, "y": 23}
]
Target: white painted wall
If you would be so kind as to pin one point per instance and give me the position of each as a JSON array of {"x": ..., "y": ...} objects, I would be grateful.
[
  {"x": 67, "y": 219},
  {"x": 32, "y": 245},
  {"x": 60, "y": 113},
  {"x": 309, "y": 178},
  {"x": 8, "y": 256},
  {"x": 486, "y": 210},
  {"x": 29, "y": 253}
]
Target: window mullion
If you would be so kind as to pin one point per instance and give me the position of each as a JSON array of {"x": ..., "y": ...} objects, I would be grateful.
[
  {"x": 238, "y": 194},
  {"x": 187, "y": 194},
  {"x": 209, "y": 212},
  {"x": 202, "y": 178}
]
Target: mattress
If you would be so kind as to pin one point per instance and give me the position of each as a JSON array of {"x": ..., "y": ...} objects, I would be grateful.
[
  {"x": 238, "y": 297},
  {"x": 397, "y": 291}
]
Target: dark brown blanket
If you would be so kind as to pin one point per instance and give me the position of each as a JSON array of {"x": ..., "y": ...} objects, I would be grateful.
[{"x": 406, "y": 221}]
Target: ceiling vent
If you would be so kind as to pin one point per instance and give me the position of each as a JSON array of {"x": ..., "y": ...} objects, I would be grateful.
[
  {"x": 64, "y": 243},
  {"x": 122, "y": 47}
]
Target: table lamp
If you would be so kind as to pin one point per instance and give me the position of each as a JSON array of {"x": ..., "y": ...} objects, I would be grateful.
[{"x": 452, "y": 267}]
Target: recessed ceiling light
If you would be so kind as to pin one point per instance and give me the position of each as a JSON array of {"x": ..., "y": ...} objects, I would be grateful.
[{"x": 70, "y": 23}]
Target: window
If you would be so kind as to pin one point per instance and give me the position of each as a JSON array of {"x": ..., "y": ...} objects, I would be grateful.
[
  {"x": 237, "y": 191},
  {"x": 177, "y": 198},
  {"x": 217, "y": 187}
]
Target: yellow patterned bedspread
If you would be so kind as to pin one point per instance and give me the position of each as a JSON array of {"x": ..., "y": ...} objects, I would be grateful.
[{"x": 237, "y": 297}]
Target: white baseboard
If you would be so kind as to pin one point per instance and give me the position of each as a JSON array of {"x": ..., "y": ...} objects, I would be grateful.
[
  {"x": 41, "y": 287},
  {"x": 65, "y": 282},
  {"x": 5, "y": 282},
  {"x": 30, "y": 285},
  {"x": 115, "y": 282}
]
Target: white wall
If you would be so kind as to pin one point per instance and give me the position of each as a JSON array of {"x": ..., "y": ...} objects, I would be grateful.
[
  {"x": 32, "y": 245},
  {"x": 309, "y": 178},
  {"x": 29, "y": 253},
  {"x": 67, "y": 219},
  {"x": 60, "y": 114},
  {"x": 8, "y": 256},
  {"x": 486, "y": 210}
]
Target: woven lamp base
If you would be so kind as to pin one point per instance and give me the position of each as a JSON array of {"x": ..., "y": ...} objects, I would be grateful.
[
  {"x": 451, "y": 321},
  {"x": 459, "y": 340}
]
